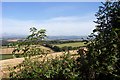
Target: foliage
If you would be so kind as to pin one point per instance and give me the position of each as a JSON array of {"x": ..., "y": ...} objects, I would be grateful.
[
  {"x": 29, "y": 47},
  {"x": 50, "y": 69},
  {"x": 54, "y": 48},
  {"x": 103, "y": 56},
  {"x": 38, "y": 66},
  {"x": 63, "y": 41},
  {"x": 60, "y": 48}
]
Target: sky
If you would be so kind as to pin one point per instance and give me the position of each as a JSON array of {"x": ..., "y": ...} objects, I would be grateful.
[
  {"x": 53, "y": 0},
  {"x": 58, "y": 18}
]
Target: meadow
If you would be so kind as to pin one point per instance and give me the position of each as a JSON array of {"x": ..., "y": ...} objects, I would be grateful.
[{"x": 72, "y": 44}]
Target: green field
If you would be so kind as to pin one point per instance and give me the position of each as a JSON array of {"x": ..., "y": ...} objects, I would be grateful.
[
  {"x": 7, "y": 56},
  {"x": 73, "y": 44}
]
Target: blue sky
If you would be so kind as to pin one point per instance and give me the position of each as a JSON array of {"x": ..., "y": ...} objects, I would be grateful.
[{"x": 58, "y": 18}]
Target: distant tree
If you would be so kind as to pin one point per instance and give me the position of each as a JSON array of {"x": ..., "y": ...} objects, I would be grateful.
[
  {"x": 65, "y": 48},
  {"x": 4, "y": 42},
  {"x": 70, "y": 48},
  {"x": 56, "y": 48},
  {"x": 36, "y": 36}
]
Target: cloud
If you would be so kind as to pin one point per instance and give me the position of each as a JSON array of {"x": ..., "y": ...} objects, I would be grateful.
[
  {"x": 63, "y": 25},
  {"x": 13, "y": 26}
]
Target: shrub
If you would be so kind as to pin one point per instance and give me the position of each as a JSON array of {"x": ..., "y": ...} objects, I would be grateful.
[
  {"x": 38, "y": 66},
  {"x": 50, "y": 69},
  {"x": 103, "y": 56}
]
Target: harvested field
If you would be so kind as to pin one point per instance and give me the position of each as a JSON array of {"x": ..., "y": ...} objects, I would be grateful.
[
  {"x": 5, "y": 64},
  {"x": 6, "y": 50},
  {"x": 6, "y": 53}
]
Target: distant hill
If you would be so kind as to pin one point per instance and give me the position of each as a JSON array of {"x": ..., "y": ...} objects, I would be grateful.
[
  {"x": 13, "y": 36},
  {"x": 16, "y": 36},
  {"x": 66, "y": 37}
]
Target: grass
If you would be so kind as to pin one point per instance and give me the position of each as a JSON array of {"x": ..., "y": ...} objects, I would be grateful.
[
  {"x": 73, "y": 44},
  {"x": 7, "y": 56}
]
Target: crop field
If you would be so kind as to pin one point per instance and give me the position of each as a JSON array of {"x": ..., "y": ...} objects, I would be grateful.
[
  {"x": 13, "y": 62},
  {"x": 7, "y": 58},
  {"x": 73, "y": 44},
  {"x": 5, "y": 50},
  {"x": 6, "y": 53}
]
